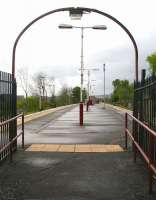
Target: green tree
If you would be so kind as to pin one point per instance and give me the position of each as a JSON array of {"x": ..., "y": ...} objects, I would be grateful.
[
  {"x": 33, "y": 104},
  {"x": 84, "y": 94},
  {"x": 76, "y": 94},
  {"x": 151, "y": 59},
  {"x": 115, "y": 95},
  {"x": 53, "y": 101},
  {"x": 122, "y": 93},
  {"x": 64, "y": 97}
]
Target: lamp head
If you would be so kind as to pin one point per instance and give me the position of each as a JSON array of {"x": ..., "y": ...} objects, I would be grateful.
[
  {"x": 65, "y": 26},
  {"x": 99, "y": 27},
  {"x": 76, "y": 13}
]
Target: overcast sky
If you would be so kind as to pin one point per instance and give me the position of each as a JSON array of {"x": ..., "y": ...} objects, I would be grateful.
[{"x": 56, "y": 52}]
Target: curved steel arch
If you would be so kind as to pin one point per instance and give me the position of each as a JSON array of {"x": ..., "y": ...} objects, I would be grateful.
[{"x": 82, "y": 9}]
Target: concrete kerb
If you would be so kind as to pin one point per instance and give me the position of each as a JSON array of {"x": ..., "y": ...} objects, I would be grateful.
[
  {"x": 117, "y": 108},
  {"x": 33, "y": 116}
]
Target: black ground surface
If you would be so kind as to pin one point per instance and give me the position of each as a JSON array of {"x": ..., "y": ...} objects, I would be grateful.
[{"x": 75, "y": 176}]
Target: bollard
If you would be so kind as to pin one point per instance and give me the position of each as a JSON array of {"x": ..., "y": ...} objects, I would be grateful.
[
  {"x": 87, "y": 106},
  {"x": 81, "y": 113}
]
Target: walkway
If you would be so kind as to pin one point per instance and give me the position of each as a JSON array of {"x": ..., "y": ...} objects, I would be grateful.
[{"x": 52, "y": 167}]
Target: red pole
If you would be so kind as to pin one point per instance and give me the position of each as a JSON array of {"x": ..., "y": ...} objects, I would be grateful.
[
  {"x": 81, "y": 113},
  {"x": 23, "y": 131},
  {"x": 87, "y": 105},
  {"x": 150, "y": 155}
]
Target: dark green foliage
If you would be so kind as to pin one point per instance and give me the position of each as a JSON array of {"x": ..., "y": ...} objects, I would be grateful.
[
  {"x": 64, "y": 98},
  {"x": 122, "y": 93},
  {"x": 29, "y": 105},
  {"x": 20, "y": 105},
  {"x": 67, "y": 96},
  {"x": 84, "y": 94},
  {"x": 53, "y": 102},
  {"x": 76, "y": 94},
  {"x": 151, "y": 59},
  {"x": 33, "y": 104}
]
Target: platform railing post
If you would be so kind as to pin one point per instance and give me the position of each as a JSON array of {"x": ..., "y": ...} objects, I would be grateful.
[
  {"x": 150, "y": 155},
  {"x": 81, "y": 113},
  {"x": 23, "y": 130}
]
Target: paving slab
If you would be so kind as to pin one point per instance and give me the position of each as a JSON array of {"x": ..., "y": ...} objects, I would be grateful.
[{"x": 78, "y": 163}]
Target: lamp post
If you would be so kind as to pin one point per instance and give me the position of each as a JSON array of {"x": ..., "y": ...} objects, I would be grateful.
[
  {"x": 51, "y": 85},
  {"x": 41, "y": 82},
  {"x": 96, "y": 27},
  {"x": 88, "y": 85},
  {"x": 104, "y": 85},
  {"x": 92, "y": 88}
]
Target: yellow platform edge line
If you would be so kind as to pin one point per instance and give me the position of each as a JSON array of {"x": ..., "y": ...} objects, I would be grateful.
[{"x": 77, "y": 148}]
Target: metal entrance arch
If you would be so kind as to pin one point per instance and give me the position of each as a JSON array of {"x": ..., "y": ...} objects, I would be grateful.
[{"x": 82, "y": 10}]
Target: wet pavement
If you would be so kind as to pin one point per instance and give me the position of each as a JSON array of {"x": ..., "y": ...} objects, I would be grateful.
[
  {"x": 41, "y": 175},
  {"x": 99, "y": 126}
]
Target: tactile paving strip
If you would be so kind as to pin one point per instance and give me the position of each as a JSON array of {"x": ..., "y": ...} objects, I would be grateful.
[{"x": 80, "y": 148}]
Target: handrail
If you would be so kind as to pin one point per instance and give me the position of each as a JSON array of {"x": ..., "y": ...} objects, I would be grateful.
[
  {"x": 11, "y": 119},
  {"x": 147, "y": 157},
  {"x": 143, "y": 125},
  {"x": 10, "y": 143}
]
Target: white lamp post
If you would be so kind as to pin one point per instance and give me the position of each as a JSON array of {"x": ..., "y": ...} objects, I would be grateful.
[
  {"x": 88, "y": 73},
  {"x": 96, "y": 27},
  {"x": 104, "y": 85}
]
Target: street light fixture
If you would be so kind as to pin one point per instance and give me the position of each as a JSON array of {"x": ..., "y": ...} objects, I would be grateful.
[
  {"x": 99, "y": 27},
  {"x": 96, "y": 27},
  {"x": 68, "y": 26},
  {"x": 65, "y": 26},
  {"x": 76, "y": 13}
]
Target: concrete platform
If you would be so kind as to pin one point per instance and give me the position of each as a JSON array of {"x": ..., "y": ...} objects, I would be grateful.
[
  {"x": 63, "y": 161},
  {"x": 99, "y": 127}
]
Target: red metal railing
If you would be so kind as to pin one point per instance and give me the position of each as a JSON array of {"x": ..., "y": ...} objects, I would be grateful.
[
  {"x": 9, "y": 144},
  {"x": 149, "y": 155}
]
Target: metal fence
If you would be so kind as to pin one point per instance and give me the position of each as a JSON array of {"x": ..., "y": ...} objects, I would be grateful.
[
  {"x": 7, "y": 110},
  {"x": 145, "y": 111},
  {"x": 9, "y": 147},
  {"x": 149, "y": 154}
]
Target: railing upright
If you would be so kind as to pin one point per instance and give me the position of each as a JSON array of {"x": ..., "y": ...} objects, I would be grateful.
[
  {"x": 12, "y": 140},
  {"x": 148, "y": 156}
]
